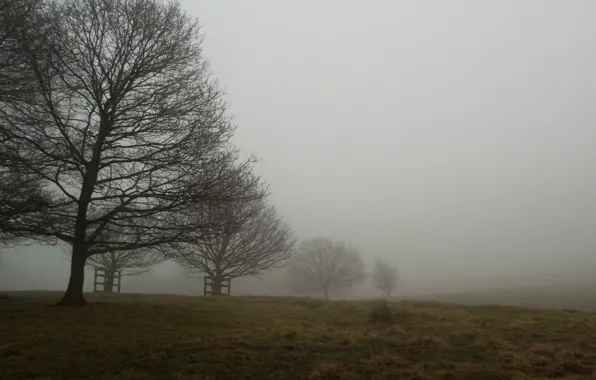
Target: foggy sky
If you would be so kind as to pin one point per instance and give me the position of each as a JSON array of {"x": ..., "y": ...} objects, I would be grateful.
[{"x": 454, "y": 139}]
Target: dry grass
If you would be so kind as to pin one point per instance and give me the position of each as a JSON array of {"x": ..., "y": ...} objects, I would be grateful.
[{"x": 175, "y": 337}]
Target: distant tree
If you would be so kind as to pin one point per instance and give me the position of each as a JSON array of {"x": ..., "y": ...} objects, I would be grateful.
[
  {"x": 129, "y": 263},
  {"x": 126, "y": 128},
  {"x": 321, "y": 264},
  {"x": 248, "y": 239},
  {"x": 384, "y": 277}
]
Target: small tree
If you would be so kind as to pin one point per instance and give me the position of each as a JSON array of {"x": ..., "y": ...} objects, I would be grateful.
[
  {"x": 129, "y": 263},
  {"x": 248, "y": 239},
  {"x": 323, "y": 265},
  {"x": 384, "y": 277}
]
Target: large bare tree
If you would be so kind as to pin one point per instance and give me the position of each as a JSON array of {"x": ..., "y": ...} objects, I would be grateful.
[
  {"x": 127, "y": 129},
  {"x": 248, "y": 239},
  {"x": 384, "y": 277},
  {"x": 323, "y": 265}
]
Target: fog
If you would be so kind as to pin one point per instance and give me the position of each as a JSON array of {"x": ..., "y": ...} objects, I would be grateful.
[{"x": 453, "y": 139}]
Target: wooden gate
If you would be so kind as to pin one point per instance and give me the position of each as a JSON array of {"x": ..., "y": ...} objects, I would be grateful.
[
  {"x": 99, "y": 281},
  {"x": 208, "y": 286}
]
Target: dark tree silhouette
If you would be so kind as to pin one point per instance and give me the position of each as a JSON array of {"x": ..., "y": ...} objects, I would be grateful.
[
  {"x": 129, "y": 263},
  {"x": 384, "y": 277},
  {"x": 249, "y": 238},
  {"x": 126, "y": 130},
  {"x": 323, "y": 265},
  {"x": 21, "y": 191}
]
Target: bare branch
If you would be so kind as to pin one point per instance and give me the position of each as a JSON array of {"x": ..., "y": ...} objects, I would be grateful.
[{"x": 22, "y": 195}]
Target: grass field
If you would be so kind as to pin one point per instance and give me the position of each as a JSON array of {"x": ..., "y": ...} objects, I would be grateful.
[
  {"x": 176, "y": 337},
  {"x": 553, "y": 297}
]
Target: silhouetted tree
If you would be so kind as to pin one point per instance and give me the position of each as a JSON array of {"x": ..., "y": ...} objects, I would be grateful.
[
  {"x": 126, "y": 130},
  {"x": 21, "y": 191},
  {"x": 248, "y": 239},
  {"x": 129, "y": 263},
  {"x": 323, "y": 265},
  {"x": 384, "y": 277}
]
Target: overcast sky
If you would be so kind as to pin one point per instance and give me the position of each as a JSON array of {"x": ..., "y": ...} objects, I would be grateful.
[
  {"x": 427, "y": 131},
  {"x": 442, "y": 135}
]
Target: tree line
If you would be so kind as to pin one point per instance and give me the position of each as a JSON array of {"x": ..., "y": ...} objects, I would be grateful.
[
  {"x": 323, "y": 265},
  {"x": 115, "y": 140},
  {"x": 317, "y": 265}
]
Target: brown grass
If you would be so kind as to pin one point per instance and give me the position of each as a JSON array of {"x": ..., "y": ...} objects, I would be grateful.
[{"x": 174, "y": 337}]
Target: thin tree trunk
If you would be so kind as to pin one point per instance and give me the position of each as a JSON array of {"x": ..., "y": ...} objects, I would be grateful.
[
  {"x": 74, "y": 292},
  {"x": 326, "y": 289},
  {"x": 218, "y": 278}
]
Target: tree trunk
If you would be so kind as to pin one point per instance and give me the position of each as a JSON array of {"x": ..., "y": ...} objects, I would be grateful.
[
  {"x": 216, "y": 286},
  {"x": 74, "y": 293},
  {"x": 326, "y": 290},
  {"x": 108, "y": 286}
]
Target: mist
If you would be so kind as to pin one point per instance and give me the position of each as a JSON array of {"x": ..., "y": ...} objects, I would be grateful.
[{"x": 452, "y": 139}]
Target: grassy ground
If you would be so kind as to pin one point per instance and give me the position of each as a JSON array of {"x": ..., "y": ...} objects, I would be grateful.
[{"x": 175, "y": 337}]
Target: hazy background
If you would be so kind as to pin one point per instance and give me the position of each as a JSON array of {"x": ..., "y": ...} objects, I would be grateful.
[{"x": 454, "y": 139}]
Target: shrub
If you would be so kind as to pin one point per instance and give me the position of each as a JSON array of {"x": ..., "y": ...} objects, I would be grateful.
[{"x": 381, "y": 313}]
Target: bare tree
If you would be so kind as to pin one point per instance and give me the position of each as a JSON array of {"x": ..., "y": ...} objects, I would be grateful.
[
  {"x": 127, "y": 129},
  {"x": 249, "y": 238},
  {"x": 323, "y": 265},
  {"x": 129, "y": 263},
  {"x": 384, "y": 277}
]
